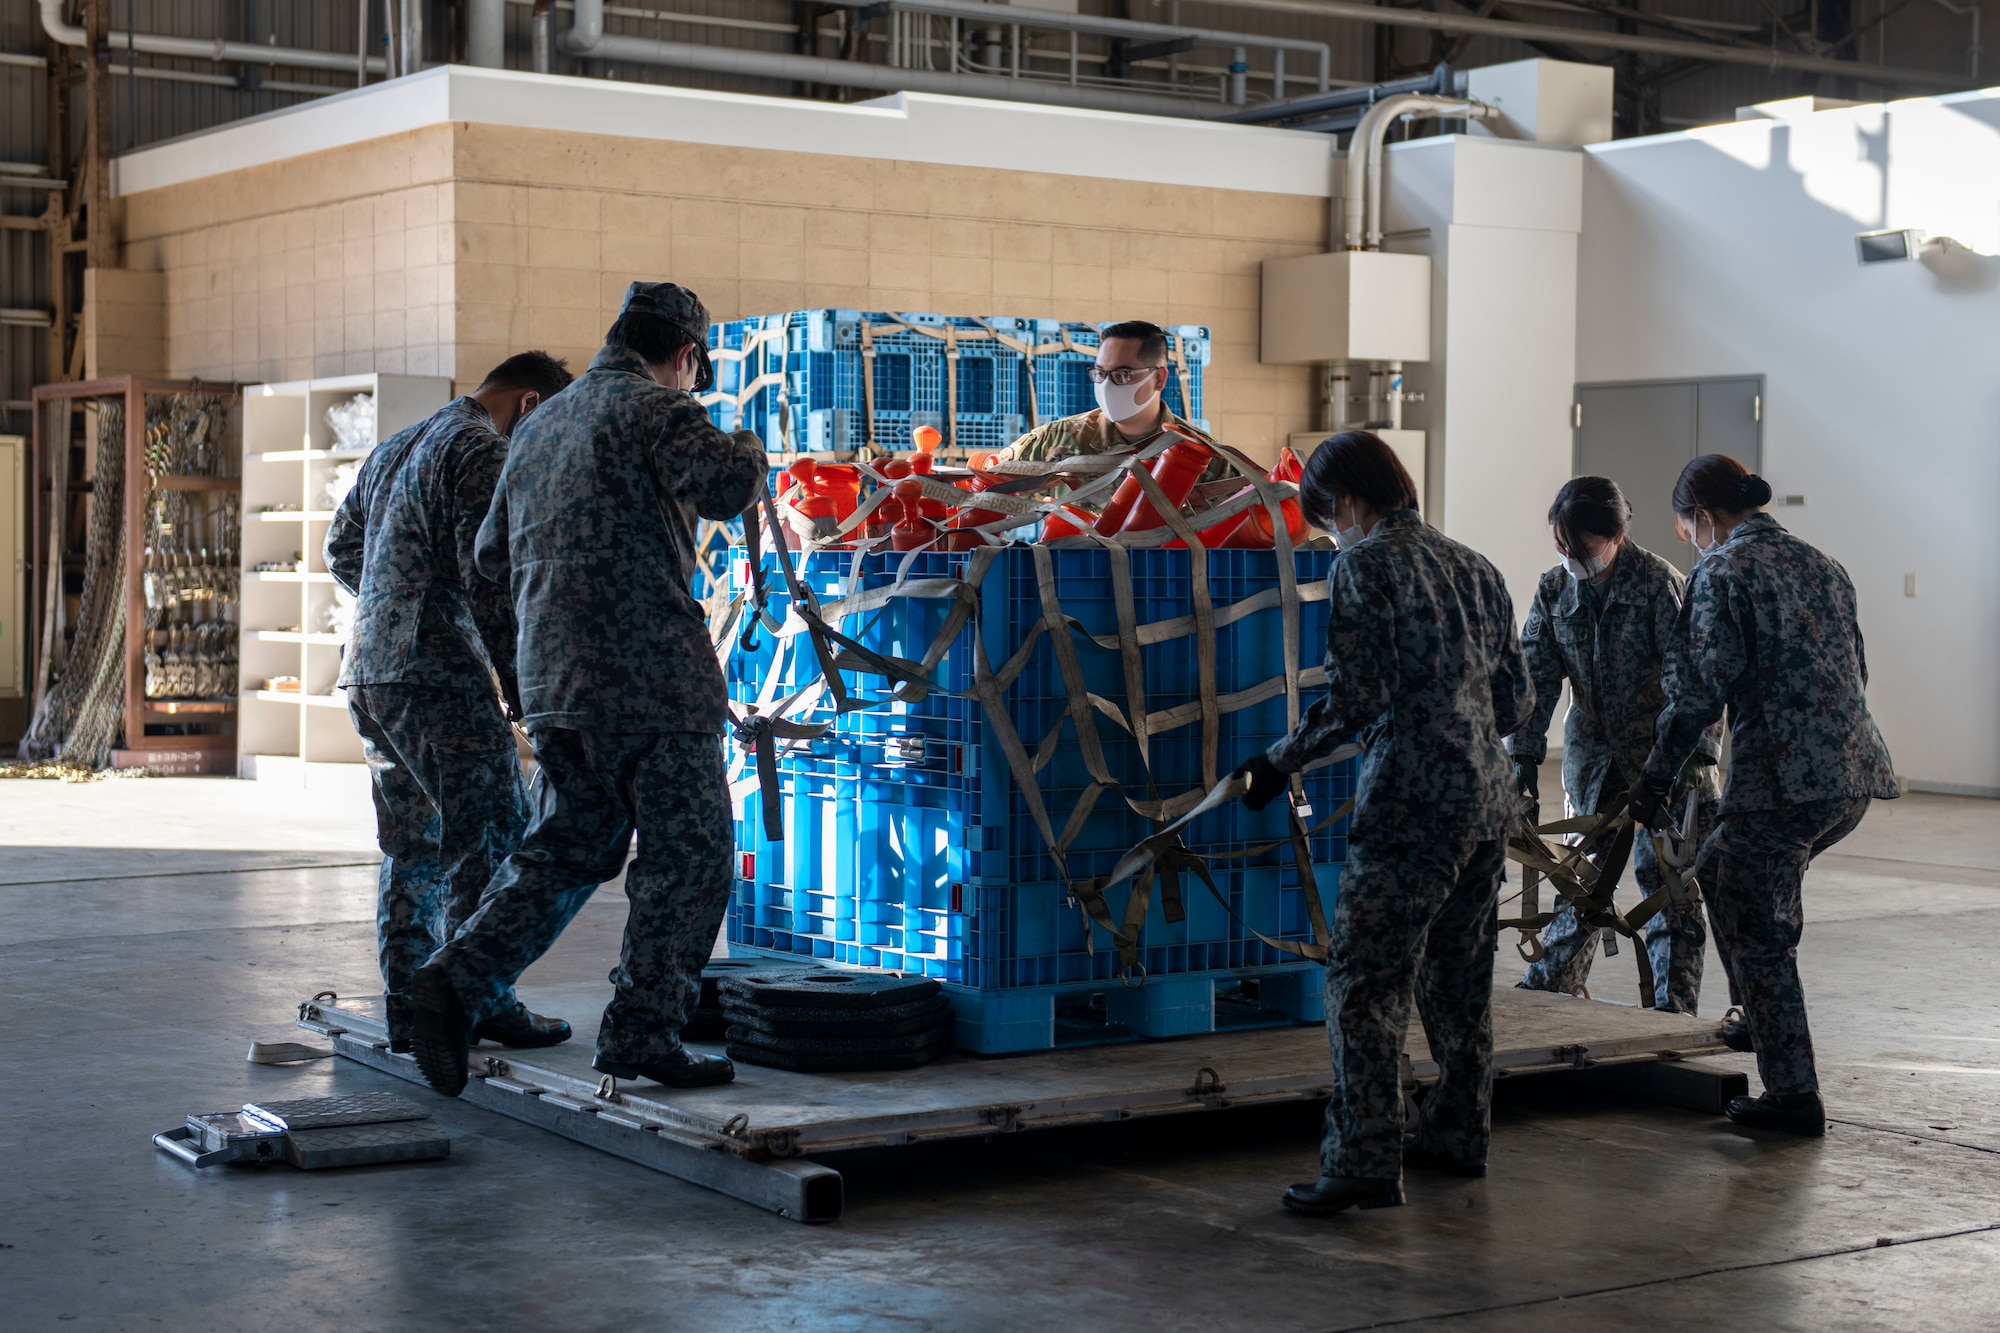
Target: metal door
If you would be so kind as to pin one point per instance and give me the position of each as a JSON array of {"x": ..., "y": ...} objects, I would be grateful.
[{"x": 1642, "y": 434}]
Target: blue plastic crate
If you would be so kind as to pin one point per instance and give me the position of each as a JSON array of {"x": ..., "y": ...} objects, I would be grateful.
[
  {"x": 909, "y": 845},
  {"x": 810, "y": 366}
]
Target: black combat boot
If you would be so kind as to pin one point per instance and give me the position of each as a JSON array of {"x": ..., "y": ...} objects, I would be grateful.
[
  {"x": 521, "y": 1027},
  {"x": 440, "y": 1032},
  {"x": 1799, "y": 1113},
  {"x": 1330, "y": 1194},
  {"x": 1736, "y": 1032},
  {"x": 682, "y": 1069},
  {"x": 396, "y": 1013}
]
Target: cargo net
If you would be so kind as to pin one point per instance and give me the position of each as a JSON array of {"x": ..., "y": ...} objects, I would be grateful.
[{"x": 799, "y": 676}]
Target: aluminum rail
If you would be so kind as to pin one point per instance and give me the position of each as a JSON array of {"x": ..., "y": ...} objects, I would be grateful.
[
  {"x": 1364, "y": 157},
  {"x": 1757, "y": 56},
  {"x": 206, "y": 48},
  {"x": 1001, "y": 15},
  {"x": 587, "y": 38}
]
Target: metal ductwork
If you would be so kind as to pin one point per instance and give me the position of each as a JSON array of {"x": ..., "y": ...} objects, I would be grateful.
[
  {"x": 204, "y": 48},
  {"x": 1761, "y": 57},
  {"x": 586, "y": 38},
  {"x": 1364, "y": 158}
]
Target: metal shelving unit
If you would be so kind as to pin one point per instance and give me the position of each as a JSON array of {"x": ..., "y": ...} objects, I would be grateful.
[
  {"x": 201, "y": 736},
  {"x": 289, "y": 628}
]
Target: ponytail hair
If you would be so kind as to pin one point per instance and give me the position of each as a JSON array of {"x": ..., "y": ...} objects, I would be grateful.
[{"x": 1721, "y": 485}]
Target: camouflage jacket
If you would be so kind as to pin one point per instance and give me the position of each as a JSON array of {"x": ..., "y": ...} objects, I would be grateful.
[
  {"x": 1422, "y": 659},
  {"x": 1089, "y": 433},
  {"x": 402, "y": 543},
  {"x": 1614, "y": 663},
  {"x": 593, "y": 524},
  {"x": 1768, "y": 631}
]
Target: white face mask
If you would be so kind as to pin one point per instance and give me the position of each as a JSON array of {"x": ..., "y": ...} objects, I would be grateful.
[
  {"x": 1585, "y": 570},
  {"x": 1348, "y": 538},
  {"x": 1694, "y": 536},
  {"x": 1122, "y": 402}
]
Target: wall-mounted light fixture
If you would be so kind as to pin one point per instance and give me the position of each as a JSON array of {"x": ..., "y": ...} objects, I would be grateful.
[{"x": 1887, "y": 247}]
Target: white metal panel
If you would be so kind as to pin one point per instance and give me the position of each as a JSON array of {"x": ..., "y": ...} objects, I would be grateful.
[
  {"x": 1548, "y": 101},
  {"x": 1350, "y": 305},
  {"x": 907, "y": 127},
  {"x": 1510, "y": 338}
]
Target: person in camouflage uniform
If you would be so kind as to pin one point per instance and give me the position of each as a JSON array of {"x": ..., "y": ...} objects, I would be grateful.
[
  {"x": 1601, "y": 620},
  {"x": 593, "y": 524},
  {"x": 432, "y": 640},
  {"x": 1421, "y": 659},
  {"x": 1130, "y": 381},
  {"x": 1769, "y": 633}
]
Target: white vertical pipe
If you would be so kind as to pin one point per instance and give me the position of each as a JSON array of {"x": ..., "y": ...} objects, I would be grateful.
[{"x": 486, "y": 33}]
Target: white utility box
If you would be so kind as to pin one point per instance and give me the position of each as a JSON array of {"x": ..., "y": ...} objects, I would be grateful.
[
  {"x": 1350, "y": 305},
  {"x": 1408, "y": 446},
  {"x": 1548, "y": 101}
]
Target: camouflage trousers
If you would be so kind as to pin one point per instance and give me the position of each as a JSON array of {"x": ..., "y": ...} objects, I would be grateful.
[
  {"x": 450, "y": 804},
  {"x": 597, "y": 788},
  {"x": 1752, "y": 870},
  {"x": 1676, "y": 937},
  {"x": 1411, "y": 923}
]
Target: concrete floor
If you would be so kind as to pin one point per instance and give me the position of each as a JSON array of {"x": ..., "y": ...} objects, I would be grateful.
[{"x": 137, "y": 962}]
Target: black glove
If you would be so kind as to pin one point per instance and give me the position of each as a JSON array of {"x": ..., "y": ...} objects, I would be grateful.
[
  {"x": 1267, "y": 782},
  {"x": 1528, "y": 777},
  {"x": 1647, "y": 800}
]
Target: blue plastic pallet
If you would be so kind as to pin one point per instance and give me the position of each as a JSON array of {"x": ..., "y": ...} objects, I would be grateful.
[
  {"x": 815, "y": 400},
  {"x": 909, "y": 846}
]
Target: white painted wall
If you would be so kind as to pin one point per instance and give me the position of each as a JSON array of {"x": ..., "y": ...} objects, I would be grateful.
[
  {"x": 1730, "y": 250},
  {"x": 1503, "y": 219}
]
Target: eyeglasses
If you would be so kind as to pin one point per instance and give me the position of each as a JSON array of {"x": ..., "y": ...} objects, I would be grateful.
[{"x": 1124, "y": 376}]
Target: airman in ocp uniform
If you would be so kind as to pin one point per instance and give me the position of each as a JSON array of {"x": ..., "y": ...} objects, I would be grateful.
[
  {"x": 1769, "y": 633},
  {"x": 1602, "y": 620},
  {"x": 593, "y": 524},
  {"x": 432, "y": 642},
  {"x": 1423, "y": 661}
]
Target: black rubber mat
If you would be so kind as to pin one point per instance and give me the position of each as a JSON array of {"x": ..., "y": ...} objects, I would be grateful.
[
  {"x": 791, "y": 1022},
  {"x": 829, "y": 989}
]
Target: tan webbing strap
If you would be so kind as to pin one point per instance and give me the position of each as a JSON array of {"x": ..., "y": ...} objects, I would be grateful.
[
  {"x": 867, "y": 389},
  {"x": 1587, "y": 886},
  {"x": 1204, "y": 619},
  {"x": 950, "y": 387}
]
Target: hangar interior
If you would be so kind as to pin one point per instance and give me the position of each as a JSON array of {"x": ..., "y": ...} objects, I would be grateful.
[{"x": 1520, "y": 242}]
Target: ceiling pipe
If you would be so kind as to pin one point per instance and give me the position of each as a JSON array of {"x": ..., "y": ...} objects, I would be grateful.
[
  {"x": 978, "y": 11},
  {"x": 204, "y": 48},
  {"x": 1364, "y": 157},
  {"x": 1761, "y": 57},
  {"x": 1438, "y": 81},
  {"x": 586, "y": 37}
]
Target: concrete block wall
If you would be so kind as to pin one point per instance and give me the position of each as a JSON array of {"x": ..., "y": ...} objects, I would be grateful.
[
  {"x": 124, "y": 322},
  {"x": 443, "y": 250},
  {"x": 552, "y": 226},
  {"x": 331, "y": 263}
]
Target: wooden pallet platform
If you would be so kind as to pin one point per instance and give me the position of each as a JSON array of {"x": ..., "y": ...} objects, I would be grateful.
[{"x": 753, "y": 1138}]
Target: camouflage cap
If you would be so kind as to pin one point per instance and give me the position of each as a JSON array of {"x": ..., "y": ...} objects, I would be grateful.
[
  {"x": 676, "y": 305},
  {"x": 668, "y": 301}
]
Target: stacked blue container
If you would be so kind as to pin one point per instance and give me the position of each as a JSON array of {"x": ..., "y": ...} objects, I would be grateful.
[
  {"x": 797, "y": 379},
  {"x": 909, "y": 845}
]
